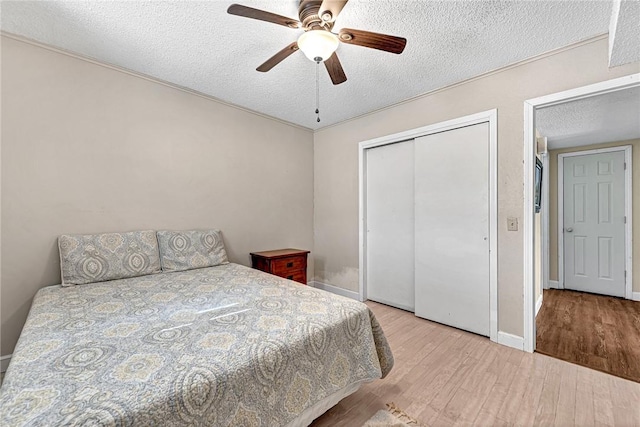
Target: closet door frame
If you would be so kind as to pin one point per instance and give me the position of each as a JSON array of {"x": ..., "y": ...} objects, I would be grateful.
[{"x": 490, "y": 117}]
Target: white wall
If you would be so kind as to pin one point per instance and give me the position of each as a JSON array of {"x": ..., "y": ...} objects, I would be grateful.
[
  {"x": 336, "y": 160},
  {"x": 88, "y": 149}
]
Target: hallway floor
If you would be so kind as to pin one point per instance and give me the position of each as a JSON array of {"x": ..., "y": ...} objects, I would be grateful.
[{"x": 595, "y": 331}]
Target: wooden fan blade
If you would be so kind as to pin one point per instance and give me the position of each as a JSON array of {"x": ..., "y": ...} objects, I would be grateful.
[
  {"x": 278, "y": 57},
  {"x": 334, "y": 68},
  {"x": 261, "y": 15},
  {"x": 378, "y": 41},
  {"x": 334, "y": 7}
]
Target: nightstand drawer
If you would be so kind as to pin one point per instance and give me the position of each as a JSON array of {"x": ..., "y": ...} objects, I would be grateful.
[
  {"x": 297, "y": 276},
  {"x": 284, "y": 265}
]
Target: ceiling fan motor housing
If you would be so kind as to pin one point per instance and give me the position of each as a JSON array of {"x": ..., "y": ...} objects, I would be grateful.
[{"x": 308, "y": 11}]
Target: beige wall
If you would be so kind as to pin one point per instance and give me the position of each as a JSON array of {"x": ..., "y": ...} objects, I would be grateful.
[
  {"x": 88, "y": 149},
  {"x": 553, "y": 206},
  {"x": 336, "y": 161}
]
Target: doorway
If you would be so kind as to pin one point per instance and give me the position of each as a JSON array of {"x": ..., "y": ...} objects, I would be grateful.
[
  {"x": 579, "y": 246},
  {"x": 531, "y": 109},
  {"x": 409, "y": 186}
]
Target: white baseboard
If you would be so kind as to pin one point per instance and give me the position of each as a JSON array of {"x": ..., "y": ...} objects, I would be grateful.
[
  {"x": 510, "y": 340},
  {"x": 538, "y": 304},
  {"x": 408, "y": 308},
  {"x": 545, "y": 285},
  {"x": 4, "y": 362},
  {"x": 553, "y": 284},
  {"x": 335, "y": 290}
]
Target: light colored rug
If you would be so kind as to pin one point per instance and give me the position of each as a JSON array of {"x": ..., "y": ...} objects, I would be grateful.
[{"x": 391, "y": 417}]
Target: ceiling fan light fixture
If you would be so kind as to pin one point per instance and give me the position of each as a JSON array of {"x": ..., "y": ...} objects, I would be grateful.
[{"x": 318, "y": 44}]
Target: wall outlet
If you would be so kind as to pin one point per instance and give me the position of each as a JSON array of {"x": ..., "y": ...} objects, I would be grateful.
[{"x": 512, "y": 224}]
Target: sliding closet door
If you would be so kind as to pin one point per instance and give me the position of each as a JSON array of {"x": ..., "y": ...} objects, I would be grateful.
[
  {"x": 452, "y": 228},
  {"x": 390, "y": 232}
]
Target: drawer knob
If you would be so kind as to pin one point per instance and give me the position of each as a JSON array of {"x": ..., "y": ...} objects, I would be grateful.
[{"x": 290, "y": 264}]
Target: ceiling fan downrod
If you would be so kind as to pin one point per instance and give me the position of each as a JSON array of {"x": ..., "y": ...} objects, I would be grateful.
[{"x": 318, "y": 61}]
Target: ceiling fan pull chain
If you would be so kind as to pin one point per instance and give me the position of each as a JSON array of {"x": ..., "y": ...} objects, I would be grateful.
[{"x": 318, "y": 90}]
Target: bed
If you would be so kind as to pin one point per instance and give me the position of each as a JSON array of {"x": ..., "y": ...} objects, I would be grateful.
[{"x": 218, "y": 346}]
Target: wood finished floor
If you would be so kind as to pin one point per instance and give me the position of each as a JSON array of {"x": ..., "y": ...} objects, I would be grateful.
[
  {"x": 596, "y": 331},
  {"x": 444, "y": 376}
]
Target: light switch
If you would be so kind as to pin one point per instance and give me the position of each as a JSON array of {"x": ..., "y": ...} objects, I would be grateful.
[{"x": 512, "y": 224}]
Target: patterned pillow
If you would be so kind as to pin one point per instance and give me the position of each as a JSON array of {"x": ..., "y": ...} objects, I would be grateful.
[
  {"x": 185, "y": 250},
  {"x": 92, "y": 258}
]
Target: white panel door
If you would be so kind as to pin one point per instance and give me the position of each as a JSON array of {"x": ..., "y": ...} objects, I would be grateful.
[
  {"x": 452, "y": 228},
  {"x": 390, "y": 225},
  {"x": 594, "y": 230}
]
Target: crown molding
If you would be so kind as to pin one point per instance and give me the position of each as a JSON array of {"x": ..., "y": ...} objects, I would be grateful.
[
  {"x": 247, "y": 110},
  {"x": 147, "y": 77},
  {"x": 473, "y": 79}
]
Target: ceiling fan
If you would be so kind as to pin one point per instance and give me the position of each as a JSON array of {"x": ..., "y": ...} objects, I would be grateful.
[{"x": 318, "y": 43}]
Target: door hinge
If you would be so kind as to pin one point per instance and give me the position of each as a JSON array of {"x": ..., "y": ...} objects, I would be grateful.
[
  {"x": 625, "y": 274},
  {"x": 625, "y": 165},
  {"x": 625, "y": 219}
]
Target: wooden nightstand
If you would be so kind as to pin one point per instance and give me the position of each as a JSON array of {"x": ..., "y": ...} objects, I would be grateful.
[{"x": 288, "y": 263}]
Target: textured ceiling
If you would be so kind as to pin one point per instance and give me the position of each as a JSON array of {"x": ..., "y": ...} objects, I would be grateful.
[
  {"x": 624, "y": 32},
  {"x": 199, "y": 46},
  {"x": 610, "y": 117}
]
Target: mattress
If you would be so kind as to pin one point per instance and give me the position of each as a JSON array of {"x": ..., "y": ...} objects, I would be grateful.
[{"x": 219, "y": 346}]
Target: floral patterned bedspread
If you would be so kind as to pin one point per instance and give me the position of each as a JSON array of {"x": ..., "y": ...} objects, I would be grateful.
[{"x": 220, "y": 346}]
